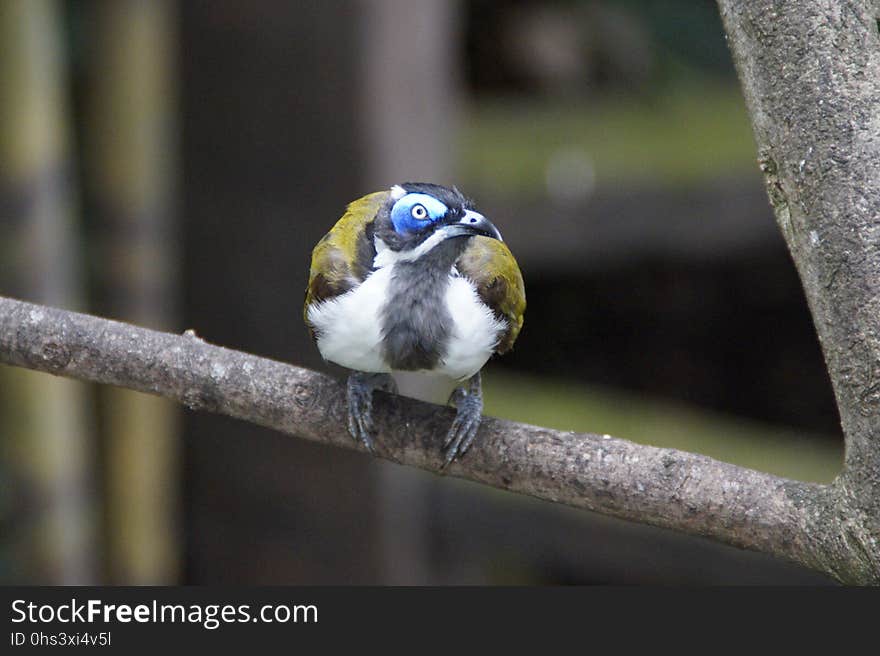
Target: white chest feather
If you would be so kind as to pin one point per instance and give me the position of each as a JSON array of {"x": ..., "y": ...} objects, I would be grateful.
[
  {"x": 349, "y": 327},
  {"x": 475, "y": 330}
]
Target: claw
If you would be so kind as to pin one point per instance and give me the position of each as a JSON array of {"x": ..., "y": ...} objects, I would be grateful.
[
  {"x": 469, "y": 405},
  {"x": 360, "y": 404},
  {"x": 388, "y": 384}
]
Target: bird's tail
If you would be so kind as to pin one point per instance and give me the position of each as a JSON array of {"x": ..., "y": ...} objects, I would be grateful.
[{"x": 431, "y": 388}]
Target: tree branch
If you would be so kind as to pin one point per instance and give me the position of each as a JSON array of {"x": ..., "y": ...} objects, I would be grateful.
[
  {"x": 810, "y": 72},
  {"x": 663, "y": 487}
]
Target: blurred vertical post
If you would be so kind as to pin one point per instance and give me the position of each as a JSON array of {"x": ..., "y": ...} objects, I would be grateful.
[
  {"x": 130, "y": 158},
  {"x": 410, "y": 54},
  {"x": 47, "y": 500},
  {"x": 410, "y": 58}
]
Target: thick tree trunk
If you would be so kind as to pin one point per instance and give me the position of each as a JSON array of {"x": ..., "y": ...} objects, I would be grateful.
[{"x": 811, "y": 76}]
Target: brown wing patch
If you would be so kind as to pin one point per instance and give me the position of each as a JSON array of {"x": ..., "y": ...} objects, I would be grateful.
[
  {"x": 343, "y": 257},
  {"x": 490, "y": 265}
]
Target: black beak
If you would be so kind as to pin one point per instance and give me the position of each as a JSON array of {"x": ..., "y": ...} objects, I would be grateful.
[{"x": 473, "y": 223}]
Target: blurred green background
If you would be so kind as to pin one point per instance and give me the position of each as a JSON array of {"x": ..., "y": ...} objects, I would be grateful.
[{"x": 172, "y": 164}]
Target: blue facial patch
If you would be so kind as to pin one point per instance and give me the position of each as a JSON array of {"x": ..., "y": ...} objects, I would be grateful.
[{"x": 415, "y": 211}]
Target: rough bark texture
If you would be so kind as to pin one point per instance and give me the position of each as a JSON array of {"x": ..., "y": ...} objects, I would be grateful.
[
  {"x": 663, "y": 487},
  {"x": 811, "y": 76}
]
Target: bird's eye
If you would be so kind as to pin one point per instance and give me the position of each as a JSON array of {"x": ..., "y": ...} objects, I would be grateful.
[{"x": 419, "y": 212}]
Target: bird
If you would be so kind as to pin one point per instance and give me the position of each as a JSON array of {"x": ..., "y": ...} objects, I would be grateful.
[{"x": 413, "y": 290}]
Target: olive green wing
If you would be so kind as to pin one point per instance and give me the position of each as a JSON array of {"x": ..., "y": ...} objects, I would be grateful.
[
  {"x": 344, "y": 256},
  {"x": 490, "y": 265}
]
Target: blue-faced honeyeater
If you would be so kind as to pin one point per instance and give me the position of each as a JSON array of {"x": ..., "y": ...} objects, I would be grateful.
[{"x": 414, "y": 290}]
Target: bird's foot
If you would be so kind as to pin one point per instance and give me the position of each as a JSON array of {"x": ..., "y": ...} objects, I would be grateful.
[
  {"x": 468, "y": 401},
  {"x": 360, "y": 404}
]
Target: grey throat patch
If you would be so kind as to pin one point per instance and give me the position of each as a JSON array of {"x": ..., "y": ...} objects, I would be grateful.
[{"x": 416, "y": 324}]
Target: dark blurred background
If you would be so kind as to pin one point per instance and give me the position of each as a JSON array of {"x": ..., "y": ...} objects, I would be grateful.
[{"x": 172, "y": 164}]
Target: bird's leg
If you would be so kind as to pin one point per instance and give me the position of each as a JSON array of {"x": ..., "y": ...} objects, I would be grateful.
[
  {"x": 360, "y": 403},
  {"x": 468, "y": 401}
]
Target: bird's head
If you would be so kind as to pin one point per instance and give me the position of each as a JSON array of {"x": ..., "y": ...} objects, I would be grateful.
[{"x": 418, "y": 216}]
